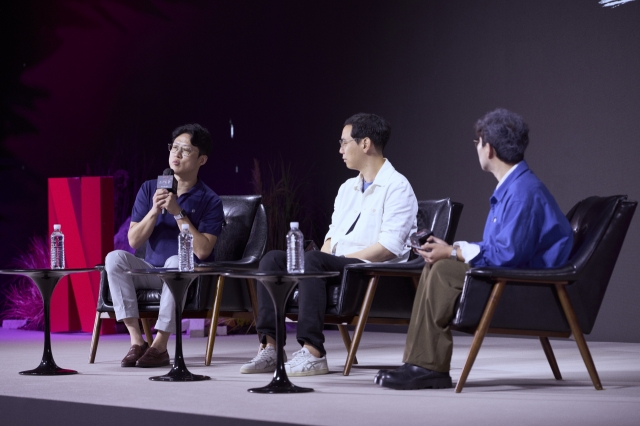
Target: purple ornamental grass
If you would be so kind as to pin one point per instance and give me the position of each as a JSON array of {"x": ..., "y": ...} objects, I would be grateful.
[{"x": 23, "y": 299}]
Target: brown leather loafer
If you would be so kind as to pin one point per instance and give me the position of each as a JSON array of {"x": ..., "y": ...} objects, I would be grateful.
[
  {"x": 134, "y": 354},
  {"x": 153, "y": 358}
]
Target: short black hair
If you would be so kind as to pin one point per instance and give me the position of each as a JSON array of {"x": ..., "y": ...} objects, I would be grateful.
[
  {"x": 200, "y": 137},
  {"x": 370, "y": 126},
  {"x": 506, "y": 132}
]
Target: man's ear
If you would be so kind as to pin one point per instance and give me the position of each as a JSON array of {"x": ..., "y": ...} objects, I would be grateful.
[
  {"x": 492, "y": 152},
  {"x": 366, "y": 145},
  {"x": 202, "y": 160}
]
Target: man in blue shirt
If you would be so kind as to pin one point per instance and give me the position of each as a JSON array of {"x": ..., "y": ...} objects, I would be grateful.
[
  {"x": 525, "y": 229},
  {"x": 194, "y": 204}
]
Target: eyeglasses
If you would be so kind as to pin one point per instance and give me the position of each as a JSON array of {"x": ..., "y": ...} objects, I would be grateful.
[
  {"x": 185, "y": 152},
  {"x": 343, "y": 142},
  {"x": 476, "y": 142}
]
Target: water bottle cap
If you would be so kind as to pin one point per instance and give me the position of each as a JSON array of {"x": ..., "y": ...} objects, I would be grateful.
[
  {"x": 185, "y": 226},
  {"x": 294, "y": 225},
  {"x": 56, "y": 227}
]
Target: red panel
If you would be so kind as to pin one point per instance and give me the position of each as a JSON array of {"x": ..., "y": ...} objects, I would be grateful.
[
  {"x": 84, "y": 208},
  {"x": 64, "y": 201},
  {"x": 97, "y": 238}
]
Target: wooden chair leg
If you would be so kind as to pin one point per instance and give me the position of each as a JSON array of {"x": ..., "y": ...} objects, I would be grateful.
[
  {"x": 577, "y": 334},
  {"x": 94, "y": 338},
  {"x": 147, "y": 330},
  {"x": 214, "y": 320},
  {"x": 481, "y": 331},
  {"x": 546, "y": 346},
  {"x": 346, "y": 339},
  {"x": 362, "y": 320}
]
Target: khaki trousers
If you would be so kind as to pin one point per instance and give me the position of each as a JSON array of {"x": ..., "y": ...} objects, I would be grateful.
[{"x": 429, "y": 342}]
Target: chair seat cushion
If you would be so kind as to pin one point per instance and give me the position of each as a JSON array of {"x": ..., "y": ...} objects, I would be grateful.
[{"x": 150, "y": 297}]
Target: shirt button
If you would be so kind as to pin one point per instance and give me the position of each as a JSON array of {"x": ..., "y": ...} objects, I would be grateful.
[
  {"x": 494, "y": 219},
  {"x": 374, "y": 210}
]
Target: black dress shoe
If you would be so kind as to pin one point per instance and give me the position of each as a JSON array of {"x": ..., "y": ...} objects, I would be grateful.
[
  {"x": 413, "y": 377},
  {"x": 384, "y": 371}
]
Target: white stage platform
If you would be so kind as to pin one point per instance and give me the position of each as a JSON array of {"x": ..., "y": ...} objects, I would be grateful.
[{"x": 510, "y": 384}]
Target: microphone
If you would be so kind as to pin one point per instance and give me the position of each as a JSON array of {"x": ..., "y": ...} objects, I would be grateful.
[{"x": 167, "y": 181}]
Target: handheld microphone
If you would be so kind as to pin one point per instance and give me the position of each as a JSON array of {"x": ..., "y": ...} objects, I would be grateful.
[{"x": 167, "y": 181}]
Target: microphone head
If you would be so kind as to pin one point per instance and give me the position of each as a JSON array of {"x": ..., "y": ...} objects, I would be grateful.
[{"x": 168, "y": 181}]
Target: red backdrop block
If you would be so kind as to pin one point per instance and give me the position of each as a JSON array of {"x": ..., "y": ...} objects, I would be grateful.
[{"x": 84, "y": 209}]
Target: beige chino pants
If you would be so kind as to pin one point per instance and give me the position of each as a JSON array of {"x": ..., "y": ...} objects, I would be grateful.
[{"x": 429, "y": 342}]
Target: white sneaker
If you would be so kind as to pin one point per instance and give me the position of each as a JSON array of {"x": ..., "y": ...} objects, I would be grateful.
[
  {"x": 305, "y": 364},
  {"x": 264, "y": 362}
]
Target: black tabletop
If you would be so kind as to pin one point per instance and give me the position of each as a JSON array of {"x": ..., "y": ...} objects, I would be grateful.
[
  {"x": 278, "y": 274},
  {"x": 164, "y": 271}
]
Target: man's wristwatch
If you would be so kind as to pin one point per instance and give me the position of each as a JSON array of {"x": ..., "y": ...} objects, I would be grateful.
[
  {"x": 454, "y": 253},
  {"x": 180, "y": 215}
]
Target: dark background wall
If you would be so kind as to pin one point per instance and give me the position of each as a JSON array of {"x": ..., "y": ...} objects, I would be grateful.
[{"x": 90, "y": 87}]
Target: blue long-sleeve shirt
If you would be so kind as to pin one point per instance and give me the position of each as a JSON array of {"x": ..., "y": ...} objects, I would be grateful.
[{"x": 525, "y": 227}]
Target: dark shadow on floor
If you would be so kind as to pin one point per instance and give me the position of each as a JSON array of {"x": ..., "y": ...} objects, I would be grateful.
[{"x": 35, "y": 412}]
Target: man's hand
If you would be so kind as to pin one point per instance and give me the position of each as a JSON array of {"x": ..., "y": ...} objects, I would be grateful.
[
  {"x": 434, "y": 249},
  {"x": 164, "y": 199}
]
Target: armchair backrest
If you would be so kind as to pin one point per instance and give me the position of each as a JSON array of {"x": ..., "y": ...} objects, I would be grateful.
[
  {"x": 244, "y": 231},
  {"x": 599, "y": 225},
  {"x": 441, "y": 216}
]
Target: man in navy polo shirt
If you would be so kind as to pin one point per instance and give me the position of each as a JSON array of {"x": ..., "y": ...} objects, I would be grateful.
[
  {"x": 525, "y": 229},
  {"x": 194, "y": 204}
]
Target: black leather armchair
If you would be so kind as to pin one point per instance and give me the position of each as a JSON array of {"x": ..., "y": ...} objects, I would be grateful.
[
  {"x": 350, "y": 299},
  {"x": 240, "y": 245},
  {"x": 554, "y": 302}
]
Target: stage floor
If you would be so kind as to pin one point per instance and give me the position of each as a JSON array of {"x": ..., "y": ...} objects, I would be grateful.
[{"x": 510, "y": 384}]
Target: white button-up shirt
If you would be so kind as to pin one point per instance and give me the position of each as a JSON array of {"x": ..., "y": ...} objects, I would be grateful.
[{"x": 387, "y": 210}]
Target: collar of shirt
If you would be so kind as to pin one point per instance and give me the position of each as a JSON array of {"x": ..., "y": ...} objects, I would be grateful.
[
  {"x": 197, "y": 187},
  {"x": 382, "y": 178},
  {"x": 506, "y": 175},
  {"x": 506, "y": 180}
]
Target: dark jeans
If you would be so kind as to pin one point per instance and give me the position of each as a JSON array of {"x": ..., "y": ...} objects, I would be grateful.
[{"x": 312, "y": 296}]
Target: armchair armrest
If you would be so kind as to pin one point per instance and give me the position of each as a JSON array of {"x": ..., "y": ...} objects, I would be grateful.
[
  {"x": 410, "y": 268},
  {"x": 246, "y": 263},
  {"x": 566, "y": 272}
]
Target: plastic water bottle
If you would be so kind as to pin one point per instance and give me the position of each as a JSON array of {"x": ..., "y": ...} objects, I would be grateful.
[
  {"x": 185, "y": 249},
  {"x": 57, "y": 248},
  {"x": 295, "y": 249}
]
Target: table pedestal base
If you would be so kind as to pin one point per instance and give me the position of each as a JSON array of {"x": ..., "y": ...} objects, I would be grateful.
[
  {"x": 278, "y": 385},
  {"x": 48, "y": 369},
  {"x": 179, "y": 375}
]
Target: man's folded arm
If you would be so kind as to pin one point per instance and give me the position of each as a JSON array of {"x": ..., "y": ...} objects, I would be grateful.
[{"x": 398, "y": 219}]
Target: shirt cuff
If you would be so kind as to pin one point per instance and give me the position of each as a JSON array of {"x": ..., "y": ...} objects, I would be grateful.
[{"x": 467, "y": 250}]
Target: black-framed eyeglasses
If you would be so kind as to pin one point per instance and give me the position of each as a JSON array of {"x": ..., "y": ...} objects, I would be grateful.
[
  {"x": 183, "y": 150},
  {"x": 343, "y": 142}
]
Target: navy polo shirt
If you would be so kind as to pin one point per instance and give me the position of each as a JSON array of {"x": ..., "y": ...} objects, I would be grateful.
[
  {"x": 525, "y": 227},
  {"x": 204, "y": 210}
]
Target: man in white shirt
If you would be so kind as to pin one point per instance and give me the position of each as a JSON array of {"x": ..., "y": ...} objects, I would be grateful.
[{"x": 374, "y": 213}]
